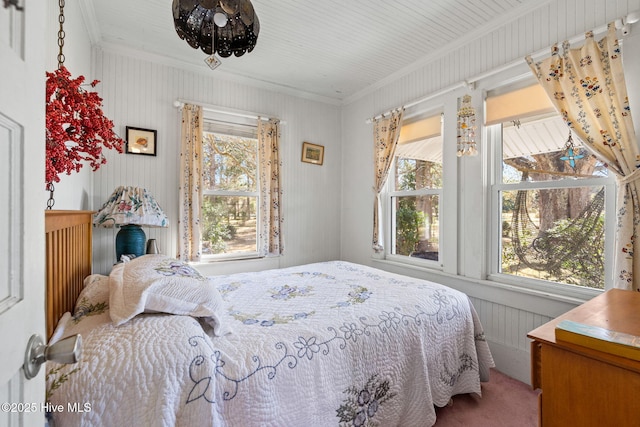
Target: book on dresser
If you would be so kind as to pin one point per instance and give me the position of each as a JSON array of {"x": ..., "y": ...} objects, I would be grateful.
[{"x": 601, "y": 339}]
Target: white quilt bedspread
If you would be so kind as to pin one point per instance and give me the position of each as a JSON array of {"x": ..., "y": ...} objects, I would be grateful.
[{"x": 316, "y": 345}]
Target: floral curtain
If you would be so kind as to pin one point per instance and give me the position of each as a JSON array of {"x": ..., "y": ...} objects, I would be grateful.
[
  {"x": 587, "y": 87},
  {"x": 386, "y": 131},
  {"x": 190, "y": 183},
  {"x": 270, "y": 188}
]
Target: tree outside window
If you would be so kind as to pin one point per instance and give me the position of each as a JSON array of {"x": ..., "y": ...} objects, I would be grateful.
[
  {"x": 415, "y": 186},
  {"x": 230, "y": 194},
  {"x": 552, "y": 205}
]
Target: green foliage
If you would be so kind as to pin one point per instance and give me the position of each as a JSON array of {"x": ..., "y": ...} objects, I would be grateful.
[
  {"x": 214, "y": 225},
  {"x": 408, "y": 223},
  {"x": 229, "y": 162},
  {"x": 586, "y": 240},
  {"x": 506, "y": 228},
  {"x": 508, "y": 201},
  {"x": 230, "y": 166},
  {"x": 413, "y": 174},
  {"x": 509, "y": 258},
  {"x": 583, "y": 240}
]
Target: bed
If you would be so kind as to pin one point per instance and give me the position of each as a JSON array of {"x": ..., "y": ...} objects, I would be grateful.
[{"x": 330, "y": 343}]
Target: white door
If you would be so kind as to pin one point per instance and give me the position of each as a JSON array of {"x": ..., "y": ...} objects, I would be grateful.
[{"x": 22, "y": 196}]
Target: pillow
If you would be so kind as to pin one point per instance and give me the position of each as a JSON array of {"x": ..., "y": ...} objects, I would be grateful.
[
  {"x": 94, "y": 297},
  {"x": 95, "y": 291},
  {"x": 159, "y": 284}
]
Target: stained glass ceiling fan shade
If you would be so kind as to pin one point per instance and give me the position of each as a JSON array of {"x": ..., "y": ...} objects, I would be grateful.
[{"x": 225, "y": 27}]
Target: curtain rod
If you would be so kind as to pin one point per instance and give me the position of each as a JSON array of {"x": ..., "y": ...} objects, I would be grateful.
[
  {"x": 621, "y": 23},
  {"x": 229, "y": 111},
  {"x": 420, "y": 100}
]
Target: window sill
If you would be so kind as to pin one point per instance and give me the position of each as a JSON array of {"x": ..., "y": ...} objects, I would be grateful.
[
  {"x": 220, "y": 266},
  {"x": 422, "y": 263},
  {"x": 206, "y": 259},
  {"x": 574, "y": 292}
]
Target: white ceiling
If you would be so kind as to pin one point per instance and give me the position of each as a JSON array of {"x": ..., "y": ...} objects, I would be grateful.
[{"x": 330, "y": 49}]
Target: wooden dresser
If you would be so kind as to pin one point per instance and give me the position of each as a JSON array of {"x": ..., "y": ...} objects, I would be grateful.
[{"x": 582, "y": 386}]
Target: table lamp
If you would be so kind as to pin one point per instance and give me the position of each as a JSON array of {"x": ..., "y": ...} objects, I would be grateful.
[{"x": 130, "y": 208}]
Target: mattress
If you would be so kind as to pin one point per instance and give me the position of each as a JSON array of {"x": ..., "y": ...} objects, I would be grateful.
[{"x": 332, "y": 343}]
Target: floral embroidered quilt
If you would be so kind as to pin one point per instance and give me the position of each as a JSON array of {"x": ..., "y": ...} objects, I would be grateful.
[{"x": 323, "y": 344}]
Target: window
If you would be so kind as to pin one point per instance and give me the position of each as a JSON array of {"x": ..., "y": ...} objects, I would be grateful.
[
  {"x": 230, "y": 220},
  {"x": 415, "y": 185},
  {"x": 550, "y": 199}
]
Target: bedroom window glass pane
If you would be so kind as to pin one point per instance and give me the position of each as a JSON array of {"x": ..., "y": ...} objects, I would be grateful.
[
  {"x": 539, "y": 149},
  {"x": 229, "y": 224},
  {"x": 230, "y": 163},
  {"x": 418, "y": 154},
  {"x": 554, "y": 234},
  {"x": 415, "y": 183},
  {"x": 417, "y": 226},
  {"x": 416, "y": 174},
  {"x": 551, "y": 197},
  {"x": 229, "y": 220}
]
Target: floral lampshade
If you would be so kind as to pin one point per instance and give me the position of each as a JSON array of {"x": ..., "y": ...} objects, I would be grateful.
[
  {"x": 130, "y": 205},
  {"x": 129, "y": 208}
]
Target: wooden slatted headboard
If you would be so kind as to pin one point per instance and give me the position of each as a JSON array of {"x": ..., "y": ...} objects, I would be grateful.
[{"x": 68, "y": 258}]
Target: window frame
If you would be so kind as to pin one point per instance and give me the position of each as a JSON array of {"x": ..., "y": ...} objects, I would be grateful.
[
  {"x": 493, "y": 138},
  {"x": 210, "y": 123},
  {"x": 391, "y": 223},
  {"x": 388, "y": 207}
]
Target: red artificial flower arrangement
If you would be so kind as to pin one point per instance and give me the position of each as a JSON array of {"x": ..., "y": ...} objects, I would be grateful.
[{"x": 76, "y": 128}]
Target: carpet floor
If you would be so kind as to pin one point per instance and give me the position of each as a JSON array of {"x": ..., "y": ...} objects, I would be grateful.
[{"x": 505, "y": 402}]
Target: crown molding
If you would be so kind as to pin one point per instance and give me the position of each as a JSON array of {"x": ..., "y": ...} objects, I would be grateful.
[{"x": 203, "y": 69}]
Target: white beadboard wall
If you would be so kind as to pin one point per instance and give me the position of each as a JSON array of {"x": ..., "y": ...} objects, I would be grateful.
[
  {"x": 72, "y": 192},
  {"x": 140, "y": 92},
  {"x": 508, "y": 313},
  {"x": 328, "y": 208}
]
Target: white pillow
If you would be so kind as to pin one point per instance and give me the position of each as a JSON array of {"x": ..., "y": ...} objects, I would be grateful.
[
  {"x": 159, "y": 284},
  {"x": 95, "y": 290}
]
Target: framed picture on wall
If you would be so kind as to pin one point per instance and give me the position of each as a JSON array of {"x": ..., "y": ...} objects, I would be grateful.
[
  {"x": 312, "y": 153},
  {"x": 141, "y": 141}
]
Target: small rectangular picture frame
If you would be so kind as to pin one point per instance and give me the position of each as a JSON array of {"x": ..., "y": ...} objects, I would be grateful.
[
  {"x": 141, "y": 141},
  {"x": 312, "y": 153}
]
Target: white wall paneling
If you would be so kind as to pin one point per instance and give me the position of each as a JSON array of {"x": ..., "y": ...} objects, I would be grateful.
[
  {"x": 328, "y": 209},
  {"x": 141, "y": 93},
  {"x": 507, "y": 313},
  {"x": 72, "y": 192}
]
